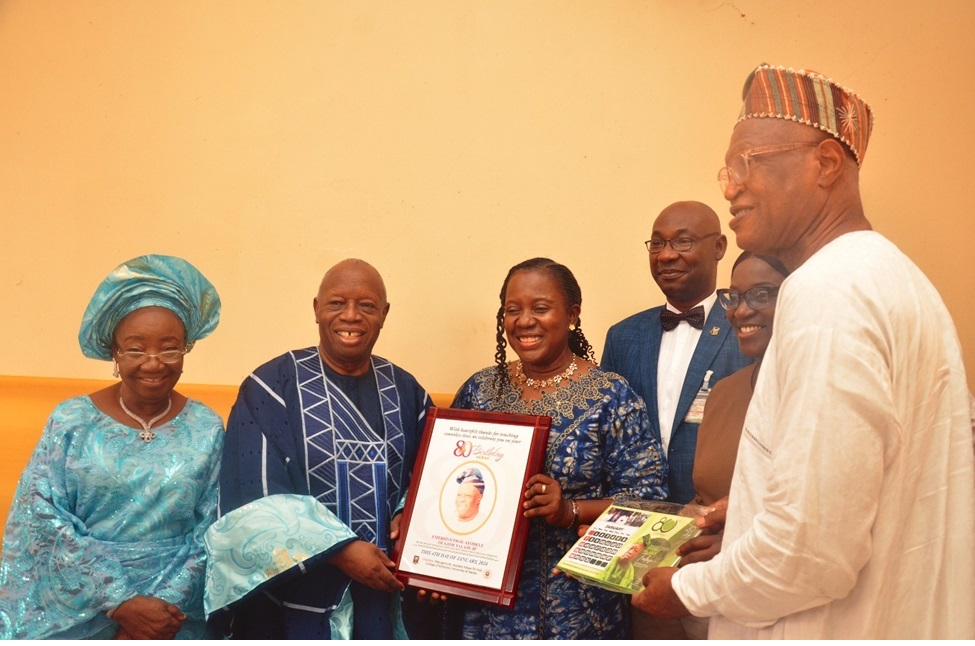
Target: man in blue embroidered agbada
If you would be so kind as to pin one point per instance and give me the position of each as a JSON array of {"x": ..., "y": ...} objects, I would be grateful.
[{"x": 337, "y": 428}]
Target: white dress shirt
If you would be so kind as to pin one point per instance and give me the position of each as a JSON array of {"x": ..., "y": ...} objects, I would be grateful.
[{"x": 676, "y": 349}]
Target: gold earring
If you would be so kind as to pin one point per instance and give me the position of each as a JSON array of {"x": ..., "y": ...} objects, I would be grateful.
[{"x": 115, "y": 371}]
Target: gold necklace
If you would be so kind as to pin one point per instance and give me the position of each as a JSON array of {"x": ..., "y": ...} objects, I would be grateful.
[
  {"x": 519, "y": 376},
  {"x": 145, "y": 434}
]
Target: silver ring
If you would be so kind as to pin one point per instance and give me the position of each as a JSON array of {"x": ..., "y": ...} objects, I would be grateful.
[{"x": 544, "y": 487}]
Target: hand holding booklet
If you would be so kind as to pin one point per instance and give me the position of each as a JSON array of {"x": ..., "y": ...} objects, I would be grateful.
[{"x": 627, "y": 540}]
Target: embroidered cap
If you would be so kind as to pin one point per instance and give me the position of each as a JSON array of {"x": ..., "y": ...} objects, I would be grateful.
[
  {"x": 472, "y": 476},
  {"x": 810, "y": 98},
  {"x": 146, "y": 281}
]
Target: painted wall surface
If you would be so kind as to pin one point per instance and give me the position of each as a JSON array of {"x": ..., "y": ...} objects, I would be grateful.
[{"x": 443, "y": 141}]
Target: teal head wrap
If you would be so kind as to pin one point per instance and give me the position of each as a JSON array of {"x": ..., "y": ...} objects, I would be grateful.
[{"x": 147, "y": 281}]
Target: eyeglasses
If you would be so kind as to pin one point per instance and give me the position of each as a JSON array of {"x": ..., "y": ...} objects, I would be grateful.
[
  {"x": 656, "y": 245},
  {"x": 737, "y": 171},
  {"x": 758, "y": 297},
  {"x": 138, "y": 357}
]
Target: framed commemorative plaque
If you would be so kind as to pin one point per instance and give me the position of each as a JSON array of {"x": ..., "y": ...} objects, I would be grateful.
[{"x": 463, "y": 532}]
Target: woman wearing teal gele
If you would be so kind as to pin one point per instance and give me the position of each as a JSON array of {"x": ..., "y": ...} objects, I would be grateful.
[{"x": 104, "y": 537}]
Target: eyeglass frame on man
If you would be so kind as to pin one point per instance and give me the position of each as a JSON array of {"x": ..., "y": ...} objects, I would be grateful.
[
  {"x": 686, "y": 243},
  {"x": 725, "y": 296},
  {"x": 137, "y": 357},
  {"x": 727, "y": 174}
]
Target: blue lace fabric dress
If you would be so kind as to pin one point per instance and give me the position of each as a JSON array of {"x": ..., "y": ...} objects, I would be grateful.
[
  {"x": 101, "y": 516},
  {"x": 600, "y": 446}
]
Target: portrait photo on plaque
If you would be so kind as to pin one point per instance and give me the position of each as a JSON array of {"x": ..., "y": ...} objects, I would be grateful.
[
  {"x": 468, "y": 498},
  {"x": 463, "y": 532}
]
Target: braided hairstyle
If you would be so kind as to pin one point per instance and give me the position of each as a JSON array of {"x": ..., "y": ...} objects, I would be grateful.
[{"x": 572, "y": 293}]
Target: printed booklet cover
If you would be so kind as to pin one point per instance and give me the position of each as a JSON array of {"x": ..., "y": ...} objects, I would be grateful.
[{"x": 627, "y": 540}]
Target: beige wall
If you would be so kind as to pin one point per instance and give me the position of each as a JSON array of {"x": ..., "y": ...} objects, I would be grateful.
[{"x": 442, "y": 140}]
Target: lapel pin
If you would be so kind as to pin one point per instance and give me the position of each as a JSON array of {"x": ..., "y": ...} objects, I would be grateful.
[{"x": 715, "y": 330}]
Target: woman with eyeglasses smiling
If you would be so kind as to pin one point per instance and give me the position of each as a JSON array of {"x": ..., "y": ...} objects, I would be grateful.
[
  {"x": 750, "y": 307},
  {"x": 105, "y": 536}
]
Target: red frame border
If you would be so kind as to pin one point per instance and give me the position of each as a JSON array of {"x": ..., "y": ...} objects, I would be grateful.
[{"x": 504, "y": 597}]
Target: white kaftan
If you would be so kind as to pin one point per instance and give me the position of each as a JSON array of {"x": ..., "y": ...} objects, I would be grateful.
[{"x": 853, "y": 501}]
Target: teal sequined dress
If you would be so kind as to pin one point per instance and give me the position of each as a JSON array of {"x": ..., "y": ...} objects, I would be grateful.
[
  {"x": 101, "y": 516},
  {"x": 600, "y": 446}
]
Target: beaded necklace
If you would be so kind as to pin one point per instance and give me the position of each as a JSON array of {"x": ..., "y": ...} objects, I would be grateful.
[{"x": 519, "y": 376}]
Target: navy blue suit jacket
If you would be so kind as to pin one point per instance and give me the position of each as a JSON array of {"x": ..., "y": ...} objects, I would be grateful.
[{"x": 632, "y": 349}]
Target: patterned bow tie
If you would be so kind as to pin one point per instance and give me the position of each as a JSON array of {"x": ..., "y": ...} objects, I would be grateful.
[{"x": 693, "y": 316}]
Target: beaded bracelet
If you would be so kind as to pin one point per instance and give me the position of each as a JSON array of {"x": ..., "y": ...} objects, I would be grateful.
[{"x": 575, "y": 516}]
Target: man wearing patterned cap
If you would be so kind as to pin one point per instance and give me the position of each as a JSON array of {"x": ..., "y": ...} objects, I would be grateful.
[
  {"x": 323, "y": 436},
  {"x": 852, "y": 509}
]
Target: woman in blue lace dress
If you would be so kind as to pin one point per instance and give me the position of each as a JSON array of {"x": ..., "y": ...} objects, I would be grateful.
[
  {"x": 600, "y": 446},
  {"x": 104, "y": 538}
]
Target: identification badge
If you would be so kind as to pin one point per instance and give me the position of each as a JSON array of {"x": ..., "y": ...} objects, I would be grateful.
[{"x": 696, "y": 412}]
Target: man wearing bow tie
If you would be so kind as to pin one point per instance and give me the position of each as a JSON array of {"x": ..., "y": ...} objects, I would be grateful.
[{"x": 671, "y": 355}]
